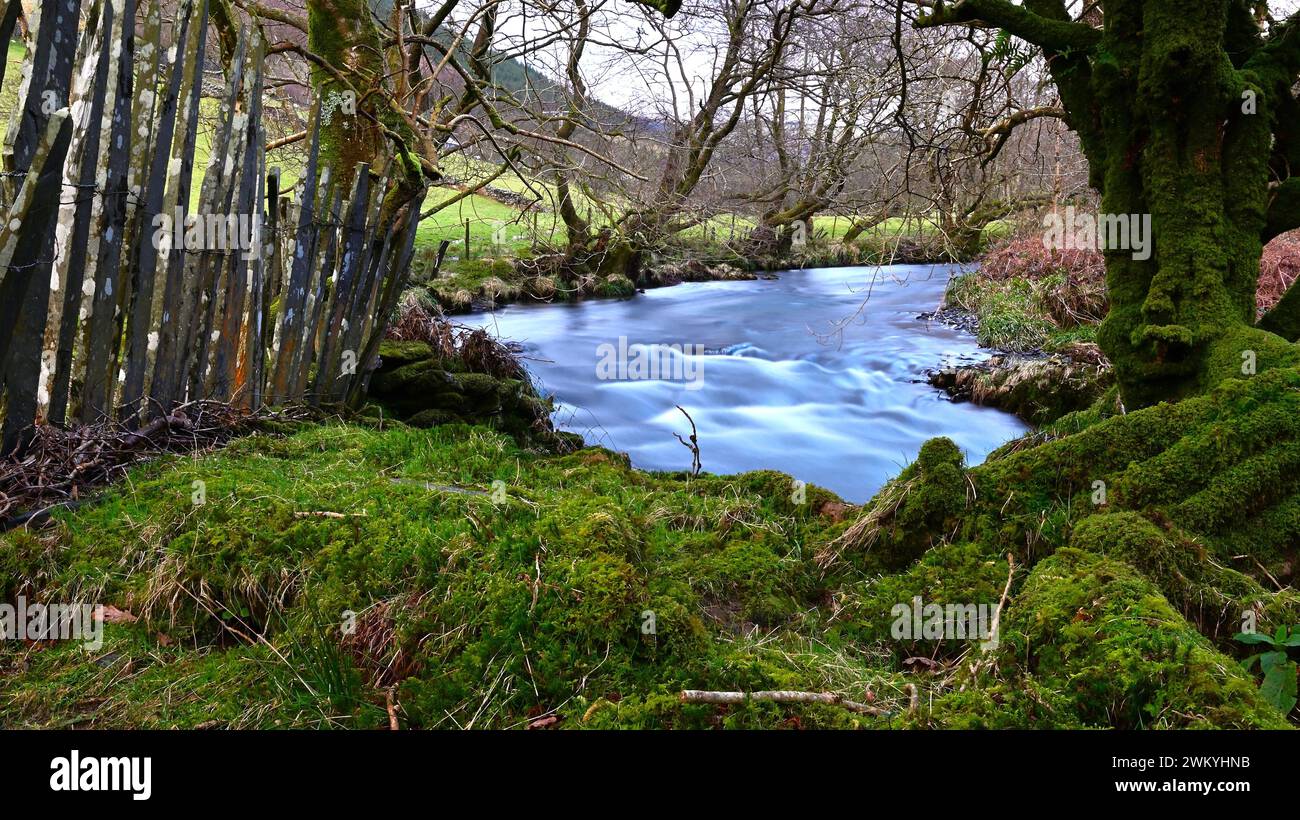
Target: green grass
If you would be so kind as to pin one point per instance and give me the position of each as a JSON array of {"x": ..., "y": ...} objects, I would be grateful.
[
  {"x": 489, "y": 585},
  {"x": 1010, "y": 312},
  {"x": 9, "y": 89},
  {"x": 240, "y": 600}
]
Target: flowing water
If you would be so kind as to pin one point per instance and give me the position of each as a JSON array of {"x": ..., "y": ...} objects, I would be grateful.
[{"x": 818, "y": 373}]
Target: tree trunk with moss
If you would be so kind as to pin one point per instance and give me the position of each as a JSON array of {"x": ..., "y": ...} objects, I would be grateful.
[
  {"x": 358, "y": 121},
  {"x": 1185, "y": 114}
]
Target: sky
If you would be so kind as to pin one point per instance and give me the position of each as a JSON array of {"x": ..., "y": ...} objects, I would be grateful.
[{"x": 633, "y": 82}]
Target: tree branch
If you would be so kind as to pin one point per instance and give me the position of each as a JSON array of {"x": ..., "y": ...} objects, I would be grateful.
[{"x": 1057, "y": 35}]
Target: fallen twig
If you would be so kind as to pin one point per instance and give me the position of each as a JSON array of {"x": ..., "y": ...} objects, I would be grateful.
[
  {"x": 992, "y": 642},
  {"x": 392, "y": 709},
  {"x": 693, "y": 446}
]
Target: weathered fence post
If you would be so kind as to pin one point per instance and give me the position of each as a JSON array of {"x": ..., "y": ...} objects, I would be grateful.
[{"x": 180, "y": 306}]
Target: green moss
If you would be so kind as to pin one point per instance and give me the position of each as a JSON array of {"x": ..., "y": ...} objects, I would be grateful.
[
  {"x": 951, "y": 574},
  {"x": 913, "y": 513},
  {"x": 615, "y": 286},
  {"x": 572, "y": 575},
  {"x": 395, "y": 354},
  {"x": 1214, "y": 597},
  {"x": 1099, "y": 636},
  {"x": 594, "y": 592}
]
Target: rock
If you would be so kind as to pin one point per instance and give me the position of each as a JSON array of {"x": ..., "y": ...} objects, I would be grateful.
[
  {"x": 415, "y": 386},
  {"x": 395, "y": 354},
  {"x": 1039, "y": 389},
  {"x": 432, "y": 418},
  {"x": 953, "y": 317}
]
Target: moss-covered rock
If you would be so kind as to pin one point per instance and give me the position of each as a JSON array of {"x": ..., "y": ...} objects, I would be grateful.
[
  {"x": 911, "y": 514},
  {"x": 424, "y": 390},
  {"x": 1098, "y": 636},
  {"x": 1039, "y": 389}
]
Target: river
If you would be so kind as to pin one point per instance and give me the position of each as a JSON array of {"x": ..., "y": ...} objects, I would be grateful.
[{"x": 819, "y": 373}]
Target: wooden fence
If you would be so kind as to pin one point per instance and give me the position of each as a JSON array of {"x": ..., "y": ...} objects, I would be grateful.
[{"x": 120, "y": 301}]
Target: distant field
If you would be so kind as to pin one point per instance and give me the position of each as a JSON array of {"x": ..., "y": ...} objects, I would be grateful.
[{"x": 9, "y": 90}]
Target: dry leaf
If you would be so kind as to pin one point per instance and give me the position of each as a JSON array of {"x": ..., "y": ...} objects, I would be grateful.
[{"x": 110, "y": 614}]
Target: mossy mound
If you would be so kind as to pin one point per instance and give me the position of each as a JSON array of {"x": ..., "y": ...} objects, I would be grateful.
[
  {"x": 911, "y": 514},
  {"x": 1089, "y": 642},
  {"x": 491, "y": 586},
  {"x": 417, "y": 387},
  {"x": 1194, "y": 503},
  {"x": 486, "y": 584},
  {"x": 615, "y": 286}
]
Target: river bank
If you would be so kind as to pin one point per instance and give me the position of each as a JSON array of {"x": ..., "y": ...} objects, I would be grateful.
[
  {"x": 358, "y": 577},
  {"x": 440, "y": 574},
  {"x": 491, "y": 282}
]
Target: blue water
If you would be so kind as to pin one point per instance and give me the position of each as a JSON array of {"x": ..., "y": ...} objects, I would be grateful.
[{"x": 819, "y": 373}]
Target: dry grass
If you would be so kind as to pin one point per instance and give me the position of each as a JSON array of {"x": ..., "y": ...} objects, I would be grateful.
[
  {"x": 481, "y": 352},
  {"x": 1081, "y": 298},
  {"x": 864, "y": 532},
  {"x": 1278, "y": 269}
]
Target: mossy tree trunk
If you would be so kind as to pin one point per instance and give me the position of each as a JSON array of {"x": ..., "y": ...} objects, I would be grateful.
[
  {"x": 1185, "y": 113},
  {"x": 360, "y": 119}
]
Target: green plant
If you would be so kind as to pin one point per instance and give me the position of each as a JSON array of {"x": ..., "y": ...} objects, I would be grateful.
[{"x": 1279, "y": 686}]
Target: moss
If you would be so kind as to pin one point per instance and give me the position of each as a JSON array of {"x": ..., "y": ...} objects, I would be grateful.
[
  {"x": 615, "y": 286},
  {"x": 480, "y": 385},
  {"x": 395, "y": 354},
  {"x": 786, "y": 494},
  {"x": 951, "y": 574},
  {"x": 432, "y": 418},
  {"x": 581, "y": 576},
  {"x": 423, "y": 390},
  {"x": 594, "y": 592},
  {"x": 1214, "y": 597},
  {"x": 1095, "y": 632},
  {"x": 1038, "y": 389},
  {"x": 926, "y": 498}
]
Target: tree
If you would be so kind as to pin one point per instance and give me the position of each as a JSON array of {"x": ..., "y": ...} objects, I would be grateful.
[
  {"x": 834, "y": 95},
  {"x": 962, "y": 176},
  {"x": 701, "y": 112},
  {"x": 380, "y": 67},
  {"x": 1185, "y": 112}
]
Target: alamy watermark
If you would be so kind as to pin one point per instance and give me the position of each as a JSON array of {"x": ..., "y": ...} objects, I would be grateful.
[
  {"x": 1081, "y": 230},
  {"x": 75, "y": 773},
  {"x": 179, "y": 231},
  {"x": 937, "y": 622},
  {"x": 653, "y": 362},
  {"x": 51, "y": 622}
]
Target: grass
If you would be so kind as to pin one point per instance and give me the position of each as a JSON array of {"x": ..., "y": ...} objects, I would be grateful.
[
  {"x": 9, "y": 89},
  {"x": 241, "y": 600},
  {"x": 1010, "y": 311},
  {"x": 484, "y": 585}
]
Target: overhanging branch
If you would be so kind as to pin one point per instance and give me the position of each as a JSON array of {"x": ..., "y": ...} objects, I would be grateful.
[{"x": 1057, "y": 35}]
